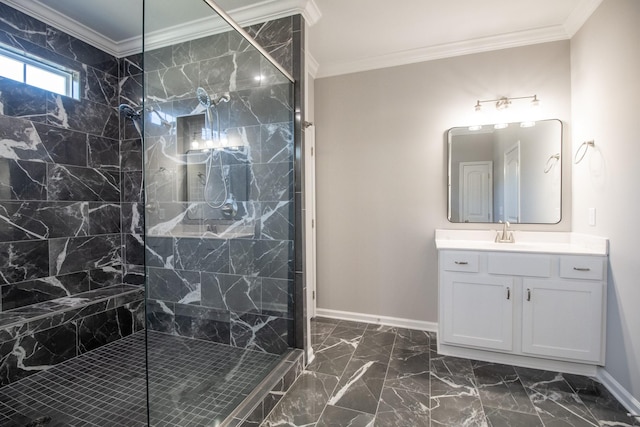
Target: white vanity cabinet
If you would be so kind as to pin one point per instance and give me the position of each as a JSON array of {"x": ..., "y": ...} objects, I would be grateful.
[{"x": 528, "y": 305}]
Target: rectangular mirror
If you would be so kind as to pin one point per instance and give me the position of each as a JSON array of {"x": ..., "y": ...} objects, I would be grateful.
[{"x": 507, "y": 172}]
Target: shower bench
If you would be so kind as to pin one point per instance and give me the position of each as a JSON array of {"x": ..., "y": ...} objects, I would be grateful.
[{"x": 35, "y": 337}]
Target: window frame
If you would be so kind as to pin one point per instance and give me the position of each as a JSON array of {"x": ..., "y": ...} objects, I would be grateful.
[{"x": 71, "y": 77}]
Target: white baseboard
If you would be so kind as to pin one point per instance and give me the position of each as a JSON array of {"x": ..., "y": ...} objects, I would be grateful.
[
  {"x": 624, "y": 397},
  {"x": 378, "y": 320}
]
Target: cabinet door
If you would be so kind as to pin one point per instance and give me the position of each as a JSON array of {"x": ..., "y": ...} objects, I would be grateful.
[
  {"x": 562, "y": 319},
  {"x": 477, "y": 310}
]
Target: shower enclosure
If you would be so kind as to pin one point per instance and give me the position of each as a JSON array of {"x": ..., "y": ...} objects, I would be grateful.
[{"x": 149, "y": 258}]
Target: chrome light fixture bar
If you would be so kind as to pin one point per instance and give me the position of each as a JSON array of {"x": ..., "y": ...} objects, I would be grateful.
[{"x": 504, "y": 102}]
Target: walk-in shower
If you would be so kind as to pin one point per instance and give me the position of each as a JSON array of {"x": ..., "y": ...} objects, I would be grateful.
[{"x": 147, "y": 261}]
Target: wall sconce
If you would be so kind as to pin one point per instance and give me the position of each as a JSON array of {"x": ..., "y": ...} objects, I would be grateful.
[{"x": 504, "y": 102}]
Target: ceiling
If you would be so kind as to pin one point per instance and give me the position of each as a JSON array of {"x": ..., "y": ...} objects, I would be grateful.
[{"x": 345, "y": 36}]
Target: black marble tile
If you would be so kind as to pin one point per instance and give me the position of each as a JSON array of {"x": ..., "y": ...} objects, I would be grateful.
[
  {"x": 320, "y": 331},
  {"x": 22, "y": 180},
  {"x": 277, "y": 297},
  {"x": 272, "y": 33},
  {"x": 68, "y": 255},
  {"x": 333, "y": 355},
  {"x": 376, "y": 346},
  {"x": 75, "y": 183},
  {"x": 159, "y": 251},
  {"x": 262, "y": 105},
  {"x": 106, "y": 276},
  {"x": 103, "y": 328},
  {"x": 83, "y": 115},
  {"x": 32, "y": 353},
  {"x": 23, "y": 101},
  {"x": 360, "y": 386},
  {"x": 134, "y": 275},
  {"x": 104, "y": 218},
  {"x": 131, "y": 65},
  {"x": 132, "y": 217},
  {"x": 241, "y": 294},
  {"x": 272, "y": 182},
  {"x": 276, "y": 221},
  {"x": 276, "y": 143},
  {"x": 202, "y": 323},
  {"x": 262, "y": 258},
  {"x": 100, "y": 87},
  {"x": 504, "y": 418},
  {"x": 202, "y": 254},
  {"x": 42, "y": 220},
  {"x": 132, "y": 187},
  {"x": 500, "y": 388},
  {"x": 103, "y": 152},
  {"x": 34, "y": 291},
  {"x": 63, "y": 146},
  {"x": 262, "y": 333},
  {"x": 21, "y": 140},
  {"x": 133, "y": 249},
  {"x": 22, "y": 261},
  {"x": 457, "y": 410},
  {"x": 17, "y": 23},
  {"x": 174, "y": 285},
  {"x": 336, "y": 416},
  {"x": 158, "y": 58},
  {"x": 131, "y": 154},
  {"x": 174, "y": 83},
  {"x": 69, "y": 46},
  {"x": 409, "y": 370},
  {"x": 304, "y": 402},
  {"x": 160, "y": 316},
  {"x": 209, "y": 47}
]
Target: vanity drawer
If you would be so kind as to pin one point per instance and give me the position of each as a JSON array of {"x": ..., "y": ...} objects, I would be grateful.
[
  {"x": 460, "y": 261},
  {"x": 582, "y": 267},
  {"x": 519, "y": 265}
]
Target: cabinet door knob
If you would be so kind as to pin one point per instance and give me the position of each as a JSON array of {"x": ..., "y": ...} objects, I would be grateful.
[
  {"x": 461, "y": 262},
  {"x": 508, "y": 293},
  {"x": 581, "y": 269},
  {"x": 528, "y": 294}
]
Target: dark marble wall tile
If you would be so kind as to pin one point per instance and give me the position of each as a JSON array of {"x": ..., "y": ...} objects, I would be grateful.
[
  {"x": 277, "y": 298},
  {"x": 101, "y": 87},
  {"x": 42, "y": 220},
  {"x": 169, "y": 84},
  {"x": 106, "y": 276},
  {"x": 272, "y": 182},
  {"x": 261, "y": 333},
  {"x": 69, "y": 46},
  {"x": 84, "y": 253},
  {"x": 131, "y": 155},
  {"x": 34, "y": 291},
  {"x": 132, "y": 218},
  {"x": 22, "y": 25},
  {"x": 63, "y": 146},
  {"x": 104, "y": 218},
  {"x": 232, "y": 293},
  {"x": 20, "y": 180},
  {"x": 159, "y": 251},
  {"x": 134, "y": 275},
  {"x": 131, "y": 65},
  {"x": 21, "y": 140},
  {"x": 23, "y": 101},
  {"x": 261, "y": 258},
  {"x": 160, "y": 316},
  {"x": 202, "y": 323},
  {"x": 103, "y": 152},
  {"x": 74, "y": 183},
  {"x": 83, "y": 115},
  {"x": 202, "y": 254},
  {"x": 134, "y": 249},
  {"x": 132, "y": 187},
  {"x": 173, "y": 285},
  {"x": 276, "y": 221},
  {"x": 103, "y": 328},
  {"x": 21, "y": 261}
]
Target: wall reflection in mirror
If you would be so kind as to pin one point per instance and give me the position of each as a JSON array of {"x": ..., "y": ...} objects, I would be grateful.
[{"x": 506, "y": 172}]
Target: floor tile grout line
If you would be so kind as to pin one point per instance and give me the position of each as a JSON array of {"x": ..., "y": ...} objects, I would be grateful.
[{"x": 386, "y": 374}]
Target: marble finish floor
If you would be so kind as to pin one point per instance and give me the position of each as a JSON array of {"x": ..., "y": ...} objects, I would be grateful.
[
  {"x": 191, "y": 383},
  {"x": 370, "y": 375}
]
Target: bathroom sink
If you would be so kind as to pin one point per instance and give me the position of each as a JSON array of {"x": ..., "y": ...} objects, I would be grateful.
[{"x": 525, "y": 241}]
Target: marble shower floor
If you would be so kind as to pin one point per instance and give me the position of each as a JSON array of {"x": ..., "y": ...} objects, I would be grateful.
[
  {"x": 369, "y": 375},
  {"x": 191, "y": 383}
]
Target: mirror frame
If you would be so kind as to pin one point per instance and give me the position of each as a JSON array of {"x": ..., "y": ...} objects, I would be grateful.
[{"x": 448, "y": 141}]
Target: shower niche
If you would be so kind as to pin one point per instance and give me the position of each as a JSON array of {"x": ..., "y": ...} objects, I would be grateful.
[{"x": 217, "y": 181}]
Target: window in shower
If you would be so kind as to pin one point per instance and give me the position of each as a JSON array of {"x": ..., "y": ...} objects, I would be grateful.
[{"x": 39, "y": 73}]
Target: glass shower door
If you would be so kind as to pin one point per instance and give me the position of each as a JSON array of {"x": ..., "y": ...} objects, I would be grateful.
[{"x": 219, "y": 227}]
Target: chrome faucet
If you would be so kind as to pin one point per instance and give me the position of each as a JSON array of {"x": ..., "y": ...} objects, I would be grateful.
[{"x": 505, "y": 236}]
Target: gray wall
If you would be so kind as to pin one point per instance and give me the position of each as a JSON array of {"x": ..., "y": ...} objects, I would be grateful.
[
  {"x": 605, "y": 65},
  {"x": 381, "y": 168}
]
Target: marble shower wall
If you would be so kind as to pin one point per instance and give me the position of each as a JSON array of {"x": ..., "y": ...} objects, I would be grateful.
[
  {"x": 234, "y": 287},
  {"x": 70, "y": 190}
]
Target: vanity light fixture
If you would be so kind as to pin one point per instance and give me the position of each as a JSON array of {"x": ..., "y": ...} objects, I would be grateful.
[
  {"x": 500, "y": 125},
  {"x": 475, "y": 127},
  {"x": 527, "y": 124},
  {"x": 504, "y": 102}
]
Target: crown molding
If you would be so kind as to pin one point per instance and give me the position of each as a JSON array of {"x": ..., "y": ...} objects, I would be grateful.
[
  {"x": 483, "y": 44},
  {"x": 249, "y": 15},
  {"x": 579, "y": 16},
  {"x": 62, "y": 22}
]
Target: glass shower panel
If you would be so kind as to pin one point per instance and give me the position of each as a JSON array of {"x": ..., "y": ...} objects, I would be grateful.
[{"x": 218, "y": 159}]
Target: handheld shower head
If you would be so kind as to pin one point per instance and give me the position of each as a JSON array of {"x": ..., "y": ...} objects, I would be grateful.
[{"x": 203, "y": 97}]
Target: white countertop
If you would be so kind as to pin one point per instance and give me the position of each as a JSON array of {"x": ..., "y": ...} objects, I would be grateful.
[{"x": 525, "y": 241}]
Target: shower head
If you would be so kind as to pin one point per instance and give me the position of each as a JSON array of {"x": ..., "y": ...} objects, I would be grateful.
[
  {"x": 203, "y": 97},
  {"x": 225, "y": 97},
  {"x": 129, "y": 112}
]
